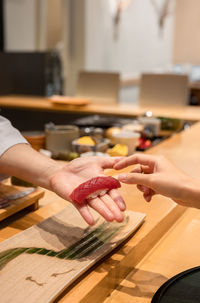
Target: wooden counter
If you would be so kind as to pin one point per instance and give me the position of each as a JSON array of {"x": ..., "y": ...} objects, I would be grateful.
[
  {"x": 42, "y": 104},
  {"x": 176, "y": 252},
  {"x": 151, "y": 242}
]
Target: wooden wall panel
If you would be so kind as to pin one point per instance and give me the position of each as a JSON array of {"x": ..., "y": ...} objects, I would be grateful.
[{"x": 187, "y": 32}]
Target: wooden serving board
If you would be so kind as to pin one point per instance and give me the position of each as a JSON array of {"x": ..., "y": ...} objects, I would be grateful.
[
  {"x": 15, "y": 206},
  {"x": 39, "y": 263},
  {"x": 65, "y": 100}
]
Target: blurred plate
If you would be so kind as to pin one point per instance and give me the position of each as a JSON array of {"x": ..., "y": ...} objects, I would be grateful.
[
  {"x": 181, "y": 288},
  {"x": 101, "y": 121},
  {"x": 65, "y": 100}
]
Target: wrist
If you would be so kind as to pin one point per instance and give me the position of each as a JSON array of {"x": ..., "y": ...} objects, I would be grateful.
[
  {"x": 191, "y": 192},
  {"x": 49, "y": 172}
]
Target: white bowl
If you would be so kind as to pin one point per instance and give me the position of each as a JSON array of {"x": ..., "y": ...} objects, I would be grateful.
[{"x": 131, "y": 139}]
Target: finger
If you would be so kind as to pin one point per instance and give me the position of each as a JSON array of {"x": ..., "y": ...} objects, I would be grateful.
[
  {"x": 139, "y": 187},
  {"x": 135, "y": 159},
  {"x": 147, "y": 198},
  {"x": 142, "y": 169},
  {"x": 146, "y": 190},
  {"x": 137, "y": 169},
  {"x": 148, "y": 195},
  {"x": 109, "y": 162},
  {"x": 111, "y": 205},
  {"x": 101, "y": 208},
  {"x": 115, "y": 195},
  {"x": 135, "y": 178},
  {"x": 85, "y": 213}
]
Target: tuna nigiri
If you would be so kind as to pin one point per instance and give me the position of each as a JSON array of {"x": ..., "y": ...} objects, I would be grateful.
[{"x": 93, "y": 188}]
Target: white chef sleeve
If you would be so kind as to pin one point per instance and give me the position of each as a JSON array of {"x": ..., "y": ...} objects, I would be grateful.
[{"x": 9, "y": 135}]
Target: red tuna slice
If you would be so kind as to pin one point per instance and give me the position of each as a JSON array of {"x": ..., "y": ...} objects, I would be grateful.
[{"x": 92, "y": 188}]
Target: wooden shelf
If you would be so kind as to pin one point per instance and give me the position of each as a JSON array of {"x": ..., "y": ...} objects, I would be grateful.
[{"x": 42, "y": 104}]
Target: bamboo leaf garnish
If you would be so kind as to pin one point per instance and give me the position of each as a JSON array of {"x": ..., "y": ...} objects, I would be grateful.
[{"x": 91, "y": 241}]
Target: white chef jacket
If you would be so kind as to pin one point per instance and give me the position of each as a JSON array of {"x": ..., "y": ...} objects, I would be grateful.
[{"x": 9, "y": 136}]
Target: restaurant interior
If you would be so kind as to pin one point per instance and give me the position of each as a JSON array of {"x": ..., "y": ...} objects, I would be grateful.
[{"x": 101, "y": 78}]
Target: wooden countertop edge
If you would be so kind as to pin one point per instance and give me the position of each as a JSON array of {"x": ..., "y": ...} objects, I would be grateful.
[
  {"x": 118, "y": 109},
  {"x": 101, "y": 281},
  {"x": 42, "y": 103},
  {"x": 103, "y": 278},
  {"x": 166, "y": 259}
]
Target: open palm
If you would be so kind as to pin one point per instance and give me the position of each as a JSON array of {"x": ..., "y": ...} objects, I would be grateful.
[{"x": 63, "y": 182}]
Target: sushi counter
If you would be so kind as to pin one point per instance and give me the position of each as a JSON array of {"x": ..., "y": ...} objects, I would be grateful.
[
  {"x": 164, "y": 245},
  {"x": 43, "y": 105},
  {"x": 69, "y": 131}
]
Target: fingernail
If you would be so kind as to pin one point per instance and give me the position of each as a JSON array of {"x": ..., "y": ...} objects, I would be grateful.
[
  {"x": 120, "y": 218},
  {"x": 121, "y": 203},
  {"x": 122, "y": 206},
  {"x": 122, "y": 177},
  {"x": 110, "y": 217}
]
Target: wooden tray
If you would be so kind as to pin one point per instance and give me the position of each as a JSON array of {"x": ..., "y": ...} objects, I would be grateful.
[
  {"x": 37, "y": 264},
  {"x": 69, "y": 100},
  {"x": 15, "y": 206}
]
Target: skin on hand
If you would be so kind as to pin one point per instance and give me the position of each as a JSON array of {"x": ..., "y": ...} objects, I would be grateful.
[
  {"x": 157, "y": 175},
  {"x": 65, "y": 180},
  {"x": 24, "y": 162}
]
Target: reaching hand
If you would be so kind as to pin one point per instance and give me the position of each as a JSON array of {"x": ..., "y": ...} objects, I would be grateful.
[
  {"x": 67, "y": 178},
  {"x": 156, "y": 175}
]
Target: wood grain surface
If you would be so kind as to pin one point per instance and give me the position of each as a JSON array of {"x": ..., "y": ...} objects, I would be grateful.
[
  {"x": 177, "y": 251},
  {"x": 163, "y": 215},
  {"x": 42, "y": 261},
  {"x": 15, "y": 206},
  {"x": 122, "y": 109},
  {"x": 67, "y": 100}
]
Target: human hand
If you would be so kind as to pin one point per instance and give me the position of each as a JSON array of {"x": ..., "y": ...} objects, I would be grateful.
[
  {"x": 156, "y": 175},
  {"x": 68, "y": 177}
]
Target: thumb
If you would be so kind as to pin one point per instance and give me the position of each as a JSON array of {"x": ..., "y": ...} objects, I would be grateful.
[{"x": 135, "y": 178}]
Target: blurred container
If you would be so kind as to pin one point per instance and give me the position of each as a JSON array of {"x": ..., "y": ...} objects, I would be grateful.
[
  {"x": 111, "y": 131},
  {"x": 35, "y": 138},
  {"x": 59, "y": 138},
  {"x": 134, "y": 127},
  {"x": 131, "y": 139},
  {"x": 170, "y": 125},
  {"x": 83, "y": 148},
  {"x": 94, "y": 154},
  {"x": 151, "y": 125}
]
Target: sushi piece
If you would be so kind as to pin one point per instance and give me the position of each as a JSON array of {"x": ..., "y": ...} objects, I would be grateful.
[{"x": 93, "y": 188}]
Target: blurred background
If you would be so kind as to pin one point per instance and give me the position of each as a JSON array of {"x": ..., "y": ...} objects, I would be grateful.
[
  {"x": 105, "y": 52},
  {"x": 56, "y": 39}
]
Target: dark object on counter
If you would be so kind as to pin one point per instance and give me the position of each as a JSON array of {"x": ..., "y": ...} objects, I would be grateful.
[
  {"x": 30, "y": 73},
  {"x": 182, "y": 288},
  {"x": 171, "y": 124},
  {"x": 66, "y": 156},
  {"x": 194, "y": 100},
  {"x": 5, "y": 201},
  {"x": 101, "y": 121},
  {"x": 1, "y": 25},
  {"x": 19, "y": 182}
]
